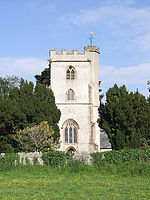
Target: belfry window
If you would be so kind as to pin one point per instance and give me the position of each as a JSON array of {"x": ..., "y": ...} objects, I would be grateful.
[
  {"x": 70, "y": 73},
  {"x": 71, "y": 132},
  {"x": 70, "y": 94}
]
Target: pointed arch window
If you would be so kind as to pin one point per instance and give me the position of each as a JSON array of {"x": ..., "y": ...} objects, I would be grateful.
[
  {"x": 71, "y": 129},
  {"x": 70, "y": 73},
  {"x": 75, "y": 135},
  {"x": 66, "y": 135},
  {"x": 70, "y": 94}
]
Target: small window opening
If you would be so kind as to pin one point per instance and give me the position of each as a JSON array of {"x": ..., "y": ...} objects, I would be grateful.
[
  {"x": 70, "y": 94},
  {"x": 70, "y": 73}
]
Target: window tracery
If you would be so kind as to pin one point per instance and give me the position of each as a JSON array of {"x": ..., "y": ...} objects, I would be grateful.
[
  {"x": 70, "y": 73},
  {"x": 71, "y": 129}
]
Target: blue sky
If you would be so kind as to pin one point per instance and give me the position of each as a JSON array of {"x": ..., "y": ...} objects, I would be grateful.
[{"x": 29, "y": 28}]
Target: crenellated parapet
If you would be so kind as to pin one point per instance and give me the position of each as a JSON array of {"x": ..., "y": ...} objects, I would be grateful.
[
  {"x": 75, "y": 52},
  {"x": 92, "y": 49}
]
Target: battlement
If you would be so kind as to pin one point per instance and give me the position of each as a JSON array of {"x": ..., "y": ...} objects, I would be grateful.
[
  {"x": 92, "y": 49},
  {"x": 75, "y": 52}
]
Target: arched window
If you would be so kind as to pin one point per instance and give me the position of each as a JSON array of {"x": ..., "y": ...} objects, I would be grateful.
[
  {"x": 70, "y": 73},
  {"x": 66, "y": 135},
  {"x": 70, "y": 94},
  {"x": 70, "y": 131}
]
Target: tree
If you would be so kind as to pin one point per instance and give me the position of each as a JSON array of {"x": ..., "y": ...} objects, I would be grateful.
[
  {"x": 37, "y": 138},
  {"x": 28, "y": 106},
  {"x": 100, "y": 99},
  {"x": 148, "y": 83},
  {"x": 125, "y": 117},
  {"x": 141, "y": 111},
  {"x": 44, "y": 78},
  {"x": 7, "y": 83}
]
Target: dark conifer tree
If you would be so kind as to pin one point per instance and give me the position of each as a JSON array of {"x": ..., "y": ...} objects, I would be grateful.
[
  {"x": 125, "y": 117},
  {"x": 44, "y": 78},
  {"x": 27, "y": 106}
]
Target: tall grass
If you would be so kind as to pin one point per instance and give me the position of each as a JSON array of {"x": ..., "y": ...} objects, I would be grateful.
[
  {"x": 129, "y": 168},
  {"x": 77, "y": 180}
]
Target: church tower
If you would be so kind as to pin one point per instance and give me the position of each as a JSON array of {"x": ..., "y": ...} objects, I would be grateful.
[{"x": 75, "y": 83}]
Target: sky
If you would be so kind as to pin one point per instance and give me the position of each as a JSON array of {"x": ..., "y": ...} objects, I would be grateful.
[{"x": 30, "y": 28}]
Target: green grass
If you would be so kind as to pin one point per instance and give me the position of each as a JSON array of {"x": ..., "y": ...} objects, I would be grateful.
[{"x": 126, "y": 181}]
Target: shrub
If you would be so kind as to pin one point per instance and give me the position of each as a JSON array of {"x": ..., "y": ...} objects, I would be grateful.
[
  {"x": 115, "y": 157},
  {"x": 57, "y": 158},
  {"x": 37, "y": 138},
  {"x": 8, "y": 161}
]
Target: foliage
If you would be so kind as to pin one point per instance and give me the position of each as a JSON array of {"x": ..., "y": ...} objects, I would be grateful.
[
  {"x": 148, "y": 83},
  {"x": 116, "y": 157},
  {"x": 57, "y": 158},
  {"x": 37, "y": 138},
  {"x": 27, "y": 106},
  {"x": 8, "y": 161},
  {"x": 44, "y": 78},
  {"x": 125, "y": 117},
  {"x": 5, "y": 145},
  {"x": 7, "y": 83},
  {"x": 101, "y": 95}
]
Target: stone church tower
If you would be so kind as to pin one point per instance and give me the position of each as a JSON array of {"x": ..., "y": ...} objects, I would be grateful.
[{"x": 75, "y": 83}]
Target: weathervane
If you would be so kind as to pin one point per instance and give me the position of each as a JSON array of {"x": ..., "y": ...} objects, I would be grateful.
[{"x": 91, "y": 38}]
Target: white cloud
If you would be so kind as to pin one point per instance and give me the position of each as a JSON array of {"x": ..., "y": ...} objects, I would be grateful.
[
  {"x": 120, "y": 18},
  {"x": 26, "y": 68},
  {"x": 134, "y": 77}
]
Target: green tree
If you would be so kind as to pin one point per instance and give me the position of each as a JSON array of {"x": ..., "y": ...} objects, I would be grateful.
[
  {"x": 11, "y": 118},
  {"x": 141, "y": 111},
  {"x": 125, "y": 117},
  {"x": 44, "y": 78},
  {"x": 148, "y": 83},
  {"x": 7, "y": 83},
  {"x": 27, "y": 106},
  {"x": 100, "y": 99}
]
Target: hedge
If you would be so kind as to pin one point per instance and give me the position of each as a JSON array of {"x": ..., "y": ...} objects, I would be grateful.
[
  {"x": 115, "y": 157},
  {"x": 8, "y": 161},
  {"x": 56, "y": 159}
]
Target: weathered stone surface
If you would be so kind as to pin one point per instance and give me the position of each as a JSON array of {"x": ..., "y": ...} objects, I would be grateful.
[
  {"x": 30, "y": 157},
  {"x": 82, "y": 157},
  {"x": 104, "y": 140},
  {"x": 83, "y": 110}
]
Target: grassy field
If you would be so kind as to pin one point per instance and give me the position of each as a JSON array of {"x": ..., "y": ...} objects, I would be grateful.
[{"x": 72, "y": 183}]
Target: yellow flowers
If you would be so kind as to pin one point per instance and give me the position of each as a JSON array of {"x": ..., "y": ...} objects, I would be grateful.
[{"x": 45, "y": 183}]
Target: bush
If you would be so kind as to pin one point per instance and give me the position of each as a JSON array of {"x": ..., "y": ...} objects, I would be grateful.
[
  {"x": 57, "y": 158},
  {"x": 115, "y": 157},
  {"x": 8, "y": 161},
  {"x": 37, "y": 138}
]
